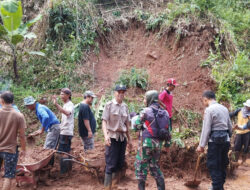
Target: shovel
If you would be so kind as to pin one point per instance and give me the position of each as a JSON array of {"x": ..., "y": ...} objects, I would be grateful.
[{"x": 195, "y": 183}]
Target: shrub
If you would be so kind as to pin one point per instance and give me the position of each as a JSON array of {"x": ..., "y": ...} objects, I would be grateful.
[{"x": 134, "y": 78}]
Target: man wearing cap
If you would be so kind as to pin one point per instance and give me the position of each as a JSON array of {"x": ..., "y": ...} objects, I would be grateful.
[
  {"x": 115, "y": 125},
  {"x": 166, "y": 98},
  {"x": 12, "y": 126},
  {"x": 86, "y": 121},
  {"x": 67, "y": 127},
  {"x": 49, "y": 121},
  {"x": 242, "y": 139}
]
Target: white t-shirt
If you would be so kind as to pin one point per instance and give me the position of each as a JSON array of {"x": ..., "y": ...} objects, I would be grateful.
[{"x": 67, "y": 123}]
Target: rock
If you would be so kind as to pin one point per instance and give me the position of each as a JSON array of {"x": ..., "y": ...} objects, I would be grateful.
[{"x": 153, "y": 55}]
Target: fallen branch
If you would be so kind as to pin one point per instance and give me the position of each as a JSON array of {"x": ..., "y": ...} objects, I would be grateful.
[{"x": 116, "y": 9}]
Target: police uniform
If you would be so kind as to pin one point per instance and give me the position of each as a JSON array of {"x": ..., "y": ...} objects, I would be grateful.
[{"x": 216, "y": 131}]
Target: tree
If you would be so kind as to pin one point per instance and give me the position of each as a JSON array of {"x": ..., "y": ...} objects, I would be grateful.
[{"x": 13, "y": 30}]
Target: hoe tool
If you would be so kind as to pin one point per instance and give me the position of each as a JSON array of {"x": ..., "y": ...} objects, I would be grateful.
[{"x": 195, "y": 183}]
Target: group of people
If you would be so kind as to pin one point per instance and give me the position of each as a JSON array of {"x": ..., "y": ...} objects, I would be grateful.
[
  {"x": 58, "y": 134},
  {"x": 153, "y": 126}
]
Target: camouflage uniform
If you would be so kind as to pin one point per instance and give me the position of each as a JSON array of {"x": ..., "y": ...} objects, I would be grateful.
[
  {"x": 149, "y": 124},
  {"x": 147, "y": 157}
]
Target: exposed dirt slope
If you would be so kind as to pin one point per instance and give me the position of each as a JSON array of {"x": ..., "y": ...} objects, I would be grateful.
[{"x": 134, "y": 47}]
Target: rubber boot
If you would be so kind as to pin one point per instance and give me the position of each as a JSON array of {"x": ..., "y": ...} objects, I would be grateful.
[
  {"x": 107, "y": 181},
  {"x": 211, "y": 188},
  {"x": 244, "y": 158},
  {"x": 115, "y": 180},
  {"x": 65, "y": 165},
  {"x": 160, "y": 184},
  {"x": 235, "y": 156},
  {"x": 141, "y": 185}
]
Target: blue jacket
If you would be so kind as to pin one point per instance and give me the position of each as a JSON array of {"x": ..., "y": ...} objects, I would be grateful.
[{"x": 46, "y": 116}]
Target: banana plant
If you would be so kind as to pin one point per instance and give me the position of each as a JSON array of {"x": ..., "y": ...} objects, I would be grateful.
[{"x": 13, "y": 30}]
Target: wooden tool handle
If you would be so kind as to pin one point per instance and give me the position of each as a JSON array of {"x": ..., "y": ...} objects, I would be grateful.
[{"x": 197, "y": 166}]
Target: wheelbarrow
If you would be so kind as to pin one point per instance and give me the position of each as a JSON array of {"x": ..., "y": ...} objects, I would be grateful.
[{"x": 28, "y": 172}]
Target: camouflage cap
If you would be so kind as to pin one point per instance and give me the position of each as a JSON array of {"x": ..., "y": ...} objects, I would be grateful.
[{"x": 29, "y": 101}]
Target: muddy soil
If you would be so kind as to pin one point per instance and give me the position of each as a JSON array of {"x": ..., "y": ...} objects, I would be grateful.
[
  {"x": 35, "y": 155},
  {"x": 177, "y": 165}
]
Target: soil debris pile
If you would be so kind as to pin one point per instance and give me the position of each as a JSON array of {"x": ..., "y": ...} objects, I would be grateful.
[{"x": 35, "y": 155}]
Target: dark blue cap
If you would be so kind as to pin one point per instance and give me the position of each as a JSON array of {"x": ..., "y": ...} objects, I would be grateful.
[{"x": 120, "y": 87}]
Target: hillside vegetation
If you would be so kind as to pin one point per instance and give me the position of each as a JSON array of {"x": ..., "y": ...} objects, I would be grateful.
[{"x": 72, "y": 30}]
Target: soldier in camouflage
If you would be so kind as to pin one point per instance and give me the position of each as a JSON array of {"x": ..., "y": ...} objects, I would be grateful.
[{"x": 149, "y": 149}]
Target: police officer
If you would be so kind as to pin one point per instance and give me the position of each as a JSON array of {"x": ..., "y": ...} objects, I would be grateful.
[
  {"x": 216, "y": 131},
  {"x": 115, "y": 127}
]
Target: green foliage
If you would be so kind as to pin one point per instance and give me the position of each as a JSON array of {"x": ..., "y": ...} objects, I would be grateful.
[
  {"x": 193, "y": 125},
  {"x": 99, "y": 111},
  {"x": 141, "y": 15},
  {"x": 11, "y": 13},
  {"x": 193, "y": 119},
  {"x": 117, "y": 13},
  {"x": 233, "y": 77},
  {"x": 179, "y": 137},
  {"x": 71, "y": 34},
  {"x": 134, "y": 78},
  {"x": 232, "y": 17},
  {"x": 53, "y": 72},
  {"x": 69, "y": 21},
  {"x": 168, "y": 17},
  {"x": 62, "y": 24},
  {"x": 135, "y": 106},
  {"x": 210, "y": 60},
  {"x": 13, "y": 31},
  {"x": 19, "y": 94}
]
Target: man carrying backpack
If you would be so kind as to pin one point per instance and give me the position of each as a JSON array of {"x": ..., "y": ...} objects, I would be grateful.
[{"x": 154, "y": 130}]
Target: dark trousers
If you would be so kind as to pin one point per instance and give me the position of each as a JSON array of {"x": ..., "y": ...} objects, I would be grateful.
[
  {"x": 115, "y": 156},
  {"x": 1, "y": 163},
  {"x": 240, "y": 141},
  {"x": 217, "y": 162},
  {"x": 65, "y": 146},
  {"x": 170, "y": 124}
]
